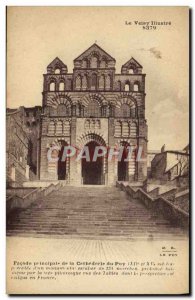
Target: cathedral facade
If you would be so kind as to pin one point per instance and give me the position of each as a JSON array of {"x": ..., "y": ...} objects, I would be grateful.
[{"x": 93, "y": 106}]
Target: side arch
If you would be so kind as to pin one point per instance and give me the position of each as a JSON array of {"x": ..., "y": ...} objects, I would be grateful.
[
  {"x": 125, "y": 98},
  {"x": 59, "y": 98},
  {"x": 59, "y": 167}
]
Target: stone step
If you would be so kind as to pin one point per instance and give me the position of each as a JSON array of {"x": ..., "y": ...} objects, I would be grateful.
[
  {"x": 66, "y": 220},
  {"x": 90, "y": 212},
  {"x": 99, "y": 226},
  {"x": 94, "y": 232},
  {"x": 123, "y": 236}
]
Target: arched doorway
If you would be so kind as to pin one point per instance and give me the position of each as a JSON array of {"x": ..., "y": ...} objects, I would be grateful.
[
  {"x": 92, "y": 171},
  {"x": 123, "y": 166},
  {"x": 62, "y": 162}
]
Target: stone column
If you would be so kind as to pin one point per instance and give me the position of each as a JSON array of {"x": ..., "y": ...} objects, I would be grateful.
[
  {"x": 112, "y": 176},
  {"x": 73, "y": 176}
]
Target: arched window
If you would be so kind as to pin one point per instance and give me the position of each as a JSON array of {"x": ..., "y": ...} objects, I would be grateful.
[
  {"x": 94, "y": 82},
  {"x": 78, "y": 109},
  {"x": 125, "y": 110},
  {"x": 52, "y": 111},
  {"x": 93, "y": 109},
  {"x": 108, "y": 82},
  {"x": 127, "y": 86},
  {"x": 85, "y": 63},
  {"x": 61, "y": 86},
  {"x": 52, "y": 86},
  {"x": 57, "y": 71},
  {"x": 62, "y": 110},
  {"x": 136, "y": 87},
  {"x": 103, "y": 63},
  {"x": 84, "y": 82},
  {"x": 111, "y": 111},
  {"x": 94, "y": 62},
  {"x": 133, "y": 110},
  {"x": 67, "y": 128},
  {"x": 78, "y": 82},
  {"x": 131, "y": 71},
  {"x": 51, "y": 128},
  {"x": 102, "y": 82},
  {"x": 125, "y": 129},
  {"x": 104, "y": 111},
  {"x": 133, "y": 129},
  {"x": 59, "y": 128},
  {"x": 117, "y": 129},
  {"x": 82, "y": 111}
]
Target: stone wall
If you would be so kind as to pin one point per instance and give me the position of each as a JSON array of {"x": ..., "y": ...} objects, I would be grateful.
[
  {"x": 173, "y": 213},
  {"x": 104, "y": 129},
  {"x": 21, "y": 200},
  {"x": 16, "y": 148},
  {"x": 84, "y": 106}
]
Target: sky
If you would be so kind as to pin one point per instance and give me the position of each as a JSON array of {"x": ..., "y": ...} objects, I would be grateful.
[{"x": 36, "y": 35}]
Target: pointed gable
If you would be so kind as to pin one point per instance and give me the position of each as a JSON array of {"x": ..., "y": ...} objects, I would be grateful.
[
  {"x": 57, "y": 64},
  {"x": 131, "y": 67},
  {"x": 94, "y": 57},
  {"x": 95, "y": 49},
  {"x": 132, "y": 61}
]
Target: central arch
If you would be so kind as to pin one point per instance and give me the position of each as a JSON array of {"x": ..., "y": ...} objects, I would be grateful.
[
  {"x": 92, "y": 171},
  {"x": 59, "y": 166}
]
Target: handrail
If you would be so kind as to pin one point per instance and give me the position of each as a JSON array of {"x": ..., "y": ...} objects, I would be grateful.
[
  {"x": 25, "y": 201},
  {"x": 152, "y": 202}
]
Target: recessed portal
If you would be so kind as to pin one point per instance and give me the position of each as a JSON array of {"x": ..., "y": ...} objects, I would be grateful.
[
  {"x": 92, "y": 171},
  {"x": 123, "y": 174},
  {"x": 62, "y": 163}
]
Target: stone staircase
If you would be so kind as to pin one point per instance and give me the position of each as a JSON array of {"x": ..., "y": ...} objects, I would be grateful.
[
  {"x": 95, "y": 212},
  {"x": 179, "y": 196}
]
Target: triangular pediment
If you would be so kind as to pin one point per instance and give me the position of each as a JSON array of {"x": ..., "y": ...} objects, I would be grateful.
[
  {"x": 57, "y": 62},
  {"x": 96, "y": 50},
  {"x": 132, "y": 61}
]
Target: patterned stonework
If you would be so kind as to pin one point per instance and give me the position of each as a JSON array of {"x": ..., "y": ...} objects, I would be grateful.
[{"x": 94, "y": 105}]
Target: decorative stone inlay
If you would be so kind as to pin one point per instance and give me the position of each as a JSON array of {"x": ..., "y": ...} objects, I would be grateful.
[
  {"x": 55, "y": 99},
  {"x": 89, "y": 137}
]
